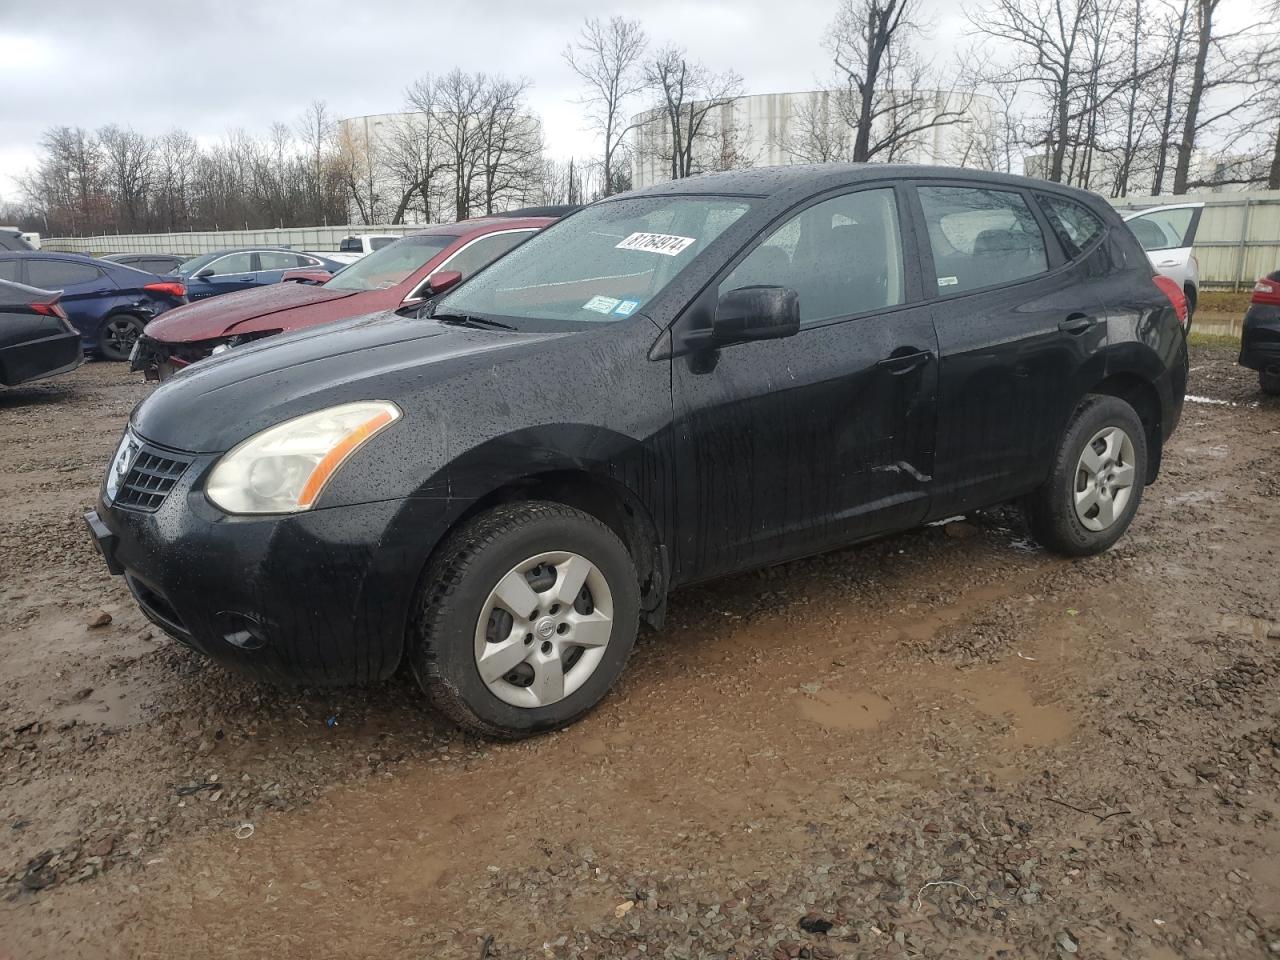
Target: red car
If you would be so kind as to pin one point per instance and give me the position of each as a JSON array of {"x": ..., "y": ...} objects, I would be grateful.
[{"x": 401, "y": 274}]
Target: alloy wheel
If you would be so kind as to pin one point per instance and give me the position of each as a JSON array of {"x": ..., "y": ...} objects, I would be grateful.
[{"x": 121, "y": 334}]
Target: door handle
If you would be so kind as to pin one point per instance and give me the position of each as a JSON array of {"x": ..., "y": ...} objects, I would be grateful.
[
  {"x": 1077, "y": 324},
  {"x": 897, "y": 363},
  {"x": 1167, "y": 263}
]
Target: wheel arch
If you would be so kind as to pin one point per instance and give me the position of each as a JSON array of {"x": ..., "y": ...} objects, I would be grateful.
[
  {"x": 610, "y": 502},
  {"x": 1141, "y": 394}
]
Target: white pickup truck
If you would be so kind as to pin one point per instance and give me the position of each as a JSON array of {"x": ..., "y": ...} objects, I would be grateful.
[{"x": 353, "y": 248}]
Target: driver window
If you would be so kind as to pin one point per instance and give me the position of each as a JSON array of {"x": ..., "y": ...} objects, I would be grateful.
[
  {"x": 842, "y": 256},
  {"x": 232, "y": 263}
]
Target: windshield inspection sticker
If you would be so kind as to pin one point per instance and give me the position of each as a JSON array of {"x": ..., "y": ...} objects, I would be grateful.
[
  {"x": 948, "y": 281},
  {"x": 600, "y": 304},
  {"x": 657, "y": 243},
  {"x": 626, "y": 307}
]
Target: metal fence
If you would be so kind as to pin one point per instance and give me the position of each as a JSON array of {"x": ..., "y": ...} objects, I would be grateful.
[
  {"x": 318, "y": 239},
  {"x": 1238, "y": 240},
  {"x": 1239, "y": 236}
]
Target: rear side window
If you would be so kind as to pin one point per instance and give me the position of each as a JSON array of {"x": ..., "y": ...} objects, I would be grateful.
[
  {"x": 277, "y": 260},
  {"x": 58, "y": 274},
  {"x": 350, "y": 245},
  {"x": 842, "y": 256},
  {"x": 981, "y": 237},
  {"x": 9, "y": 269},
  {"x": 1076, "y": 225}
]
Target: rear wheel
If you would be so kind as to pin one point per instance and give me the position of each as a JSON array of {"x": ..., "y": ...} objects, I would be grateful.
[
  {"x": 525, "y": 619},
  {"x": 119, "y": 334},
  {"x": 1269, "y": 382},
  {"x": 1098, "y": 476}
]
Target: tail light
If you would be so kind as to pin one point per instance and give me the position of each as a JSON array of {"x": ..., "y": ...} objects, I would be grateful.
[
  {"x": 1176, "y": 297},
  {"x": 171, "y": 288},
  {"x": 50, "y": 309},
  {"x": 1267, "y": 291}
]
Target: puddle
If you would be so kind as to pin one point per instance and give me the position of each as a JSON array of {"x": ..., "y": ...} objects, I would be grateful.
[
  {"x": 1004, "y": 697},
  {"x": 927, "y": 627},
  {"x": 832, "y": 710}
]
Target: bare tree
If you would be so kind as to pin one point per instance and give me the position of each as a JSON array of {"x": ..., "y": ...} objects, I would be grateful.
[
  {"x": 1045, "y": 36},
  {"x": 316, "y": 130},
  {"x": 607, "y": 59},
  {"x": 128, "y": 168},
  {"x": 888, "y": 95},
  {"x": 510, "y": 143},
  {"x": 688, "y": 94},
  {"x": 1221, "y": 63},
  {"x": 413, "y": 159}
]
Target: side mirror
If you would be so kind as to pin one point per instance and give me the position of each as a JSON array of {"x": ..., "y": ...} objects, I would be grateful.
[
  {"x": 443, "y": 280},
  {"x": 204, "y": 274},
  {"x": 756, "y": 313}
]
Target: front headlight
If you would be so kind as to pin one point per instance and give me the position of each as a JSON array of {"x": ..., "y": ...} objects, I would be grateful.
[{"x": 284, "y": 468}]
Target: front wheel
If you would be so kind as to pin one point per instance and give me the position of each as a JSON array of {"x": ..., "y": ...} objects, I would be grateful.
[
  {"x": 525, "y": 618},
  {"x": 1269, "y": 382},
  {"x": 118, "y": 336},
  {"x": 1093, "y": 491}
]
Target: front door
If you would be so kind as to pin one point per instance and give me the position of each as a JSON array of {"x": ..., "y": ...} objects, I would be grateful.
[
  {"x": 235, "y": 271},
  {"x": 793, "y": 446}
]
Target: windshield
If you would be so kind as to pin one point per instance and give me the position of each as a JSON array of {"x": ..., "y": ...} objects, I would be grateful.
[
  {"x": 390, "y": 265},
  {"x": 600, "y": 265}
]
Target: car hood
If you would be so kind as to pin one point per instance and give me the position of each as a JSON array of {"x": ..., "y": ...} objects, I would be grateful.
[
  {"x": 211, "y": 406},
  {"x": 219, "y": 316}
]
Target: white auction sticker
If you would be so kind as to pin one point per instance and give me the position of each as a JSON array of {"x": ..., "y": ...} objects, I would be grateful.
[
  {"x": 657, "y": 243},
  {"x": 600, "y": 304}
]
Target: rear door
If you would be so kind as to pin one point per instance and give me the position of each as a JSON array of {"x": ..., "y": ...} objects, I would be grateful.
[
  {"x": 789, "y": 447},
  {"x": 272, "y": 265},
  {"x": 1020, "y": 330},
  {"x": 87, "y": 294}
]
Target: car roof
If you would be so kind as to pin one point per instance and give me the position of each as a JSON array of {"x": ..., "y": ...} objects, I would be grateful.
[
  {"x": 804, "y": 179},
  {"x": 53, "y": 255}
]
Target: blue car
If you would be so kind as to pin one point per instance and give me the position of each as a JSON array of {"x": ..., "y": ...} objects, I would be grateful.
[
  {"x": 244, "y": 268},
  {"x": 108, "y": 303}
]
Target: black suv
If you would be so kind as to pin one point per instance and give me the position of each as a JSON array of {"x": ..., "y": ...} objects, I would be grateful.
[{"x": 669, "y": 385}]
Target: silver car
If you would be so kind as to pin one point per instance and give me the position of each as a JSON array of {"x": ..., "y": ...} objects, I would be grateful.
[{"x": 1167, "y": 233}]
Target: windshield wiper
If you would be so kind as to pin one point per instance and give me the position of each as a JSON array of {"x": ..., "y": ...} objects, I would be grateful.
[{"x": 466, "y": 320}]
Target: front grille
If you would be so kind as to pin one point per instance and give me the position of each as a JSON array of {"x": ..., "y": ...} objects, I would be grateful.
[{"x": 149, "y": 480}]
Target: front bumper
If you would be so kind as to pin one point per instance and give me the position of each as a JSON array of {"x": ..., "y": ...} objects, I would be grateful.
[
  {"x": 1260, "y": 339},
  {"x": 319, "y": 598},
  {"x": 158, "y": 360}
]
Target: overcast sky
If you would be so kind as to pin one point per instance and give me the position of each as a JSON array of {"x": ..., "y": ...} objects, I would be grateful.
[{"x": 210, "y": 65}]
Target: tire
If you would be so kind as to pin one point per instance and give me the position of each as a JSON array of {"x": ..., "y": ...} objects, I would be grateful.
[
  {"x": 120, "y": 332},
  {"x": 1189, "y": 292},
  {"x": 491, "y": 553},
  {"x": 1101, "y": 518},
  {"x": 1269, "y": 383}
]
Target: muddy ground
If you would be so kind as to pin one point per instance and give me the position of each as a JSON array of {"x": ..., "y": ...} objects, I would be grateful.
[{"x": 946, "y": 744}]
